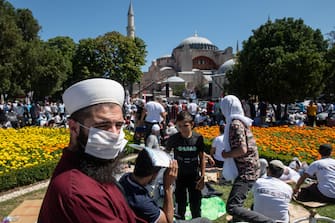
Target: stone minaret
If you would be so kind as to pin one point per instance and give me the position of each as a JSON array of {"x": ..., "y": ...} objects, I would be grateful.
[{"x": 131, "y": 23}]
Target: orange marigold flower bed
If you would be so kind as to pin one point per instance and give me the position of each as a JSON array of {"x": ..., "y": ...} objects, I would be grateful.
[{"x": 284, "y": 141}]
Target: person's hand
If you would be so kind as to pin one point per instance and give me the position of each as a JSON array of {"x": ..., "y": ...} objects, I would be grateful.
[
  {"x": 211, "y": 160},
  {"x": 170, "y": 174},
  {"x": 200, "y": 183}
]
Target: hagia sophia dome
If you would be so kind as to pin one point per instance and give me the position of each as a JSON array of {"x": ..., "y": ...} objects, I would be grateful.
[
  {"x": 197, "y": 42},
  {"x": 226, "y": 66}
]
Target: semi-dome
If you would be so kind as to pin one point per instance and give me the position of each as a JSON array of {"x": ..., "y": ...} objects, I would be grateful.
[
  {"x": 174, "y": 79},
  {"x": 226, "y": 66},
  {"x": 197, "y": 42}
]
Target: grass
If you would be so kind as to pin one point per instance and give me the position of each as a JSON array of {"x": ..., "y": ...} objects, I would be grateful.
[
  {"x": 7, "y": 206},
  {"x": 328, "y": 210}
]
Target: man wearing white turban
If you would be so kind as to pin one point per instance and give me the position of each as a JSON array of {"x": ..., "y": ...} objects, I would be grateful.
[
  {"x": 83, "y": 188},
  {"x": 240, "y": 145}
]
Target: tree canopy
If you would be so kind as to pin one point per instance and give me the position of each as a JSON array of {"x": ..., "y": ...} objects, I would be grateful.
[
  {"x": 27, "y": 64},
  {"x": 283, "y": 61},
  {"x": 46, "y": 68},
  {"x": 329, "y": 92},
  {"x": 112, "y": 55}
]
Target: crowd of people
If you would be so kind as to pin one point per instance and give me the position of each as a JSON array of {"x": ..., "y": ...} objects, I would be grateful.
[
  {"x": 84, "y": 186},
  {"x": 18, "y": 114}
]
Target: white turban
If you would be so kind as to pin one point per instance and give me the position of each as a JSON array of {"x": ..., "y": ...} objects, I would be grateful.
[{"x": 92, "y": 91}]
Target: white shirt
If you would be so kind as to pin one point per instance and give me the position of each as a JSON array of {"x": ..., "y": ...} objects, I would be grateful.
[
  {"x": 272, "y": 197},
  {"x": 290, "y": 174},
  {"x": 192, "y": 108},
  {"x": 154, "y": 110},
  {"x": 324, "y": 170},
  {"x": 218, "y": 145},
  {"x": 152, "y": 142}
]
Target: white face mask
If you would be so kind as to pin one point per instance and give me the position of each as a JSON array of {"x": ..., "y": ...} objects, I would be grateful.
[{"x": 104, "y": 144}]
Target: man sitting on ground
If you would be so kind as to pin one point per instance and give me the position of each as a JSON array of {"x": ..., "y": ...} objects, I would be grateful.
[
  {"x": 324, "y": 171},
  {"x": 290, "y": 176},
  {"x": 272, "y": 195},
  {"x": 145, "y": 172}
]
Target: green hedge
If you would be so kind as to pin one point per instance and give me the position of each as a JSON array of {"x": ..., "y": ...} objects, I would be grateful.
[{"x": 23, "y": 177}]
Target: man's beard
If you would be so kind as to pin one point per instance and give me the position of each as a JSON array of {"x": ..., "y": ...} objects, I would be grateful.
[{"x": 101, "y": 170}]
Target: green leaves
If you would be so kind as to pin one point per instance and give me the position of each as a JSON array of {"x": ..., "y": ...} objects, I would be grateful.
[
  {"x": 47, "y": 68},
  {"x": 112, "y": 56},
  {"x": 282, "y": 62}
]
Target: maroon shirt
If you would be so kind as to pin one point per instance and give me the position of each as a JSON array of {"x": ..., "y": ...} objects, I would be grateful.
[{"x": 73, "y": 197}]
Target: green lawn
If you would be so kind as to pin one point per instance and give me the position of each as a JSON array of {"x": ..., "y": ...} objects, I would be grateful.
[{"x": 7, "y": 206}]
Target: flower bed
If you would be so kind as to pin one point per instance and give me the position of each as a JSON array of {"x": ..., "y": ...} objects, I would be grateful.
[
  {"x": 284, "y": 142},
  {"x": 30, "y": 154}
]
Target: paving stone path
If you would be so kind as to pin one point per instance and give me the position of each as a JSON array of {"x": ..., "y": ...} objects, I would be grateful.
[{"x": 23, "y": 190}]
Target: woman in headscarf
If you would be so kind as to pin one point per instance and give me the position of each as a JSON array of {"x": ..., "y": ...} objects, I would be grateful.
[{"x": 240, "y": 144}]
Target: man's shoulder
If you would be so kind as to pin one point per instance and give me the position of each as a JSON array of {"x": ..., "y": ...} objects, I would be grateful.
[
  {"x": 174, "y": 136},
  {"x": 130, "y": 187},
  {"x": 73, "y": 177},
  {"x": 271, "y": 182},
  {"x": 323, "y": 162}
]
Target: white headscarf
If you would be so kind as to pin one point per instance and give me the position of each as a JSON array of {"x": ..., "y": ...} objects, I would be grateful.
[{"x": 231, "y": 108}]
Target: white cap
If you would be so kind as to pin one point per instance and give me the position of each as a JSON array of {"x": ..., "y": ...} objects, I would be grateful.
[
  {"x": 156, "y": 127},
  {"x": 92, "y": 91},
  {"x": 277, "y": 163}
]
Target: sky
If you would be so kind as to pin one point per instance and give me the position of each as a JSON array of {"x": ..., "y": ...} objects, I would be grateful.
[{"x": 162, "y": 24}]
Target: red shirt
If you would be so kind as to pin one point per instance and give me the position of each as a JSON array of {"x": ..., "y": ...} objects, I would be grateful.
[
  {"x": 73, "y": 197},
  {"x": 210, "y": 107}
]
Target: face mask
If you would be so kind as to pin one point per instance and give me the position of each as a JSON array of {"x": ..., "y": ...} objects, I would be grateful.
[{"x": 104, "y": 144}]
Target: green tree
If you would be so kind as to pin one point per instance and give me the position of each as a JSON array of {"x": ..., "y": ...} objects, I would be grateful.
[
  {"x": 329, "y": 92},
  {"x": 111, "y": 56},
  {"x": 10, "y": 45},
  {"x": 85, "y": 61},
  {"x": 27, "y": 24},
  {"x": 50, "y": 71},
  {"x": 19, "y": 38},
  {"x": 66, "y": 47},
  {"x": 283, "y": 61}
]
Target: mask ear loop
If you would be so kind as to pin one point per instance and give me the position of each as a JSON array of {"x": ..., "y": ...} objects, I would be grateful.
[{"x": 81, "y": 125}]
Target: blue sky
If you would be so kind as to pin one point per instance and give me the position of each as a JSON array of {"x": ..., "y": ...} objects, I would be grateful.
[{"x": 164, "y": 24}]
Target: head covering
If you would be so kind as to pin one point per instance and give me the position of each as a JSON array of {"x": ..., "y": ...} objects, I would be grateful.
[
  {"x": 264, "y": 165},
  {"x": 156, "y": 127},
  {"x": 277, "y": 163},
  {"x": 92, "y": 91},
  {"x": 295, "y": 163},
  {"x": 231, "y": 108}
]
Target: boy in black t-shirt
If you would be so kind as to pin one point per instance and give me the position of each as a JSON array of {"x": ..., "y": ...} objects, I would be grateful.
[{"x": 188, "y": 149}]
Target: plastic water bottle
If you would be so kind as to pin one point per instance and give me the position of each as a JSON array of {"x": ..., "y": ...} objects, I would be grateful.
[{"x": 9, "y": 219}]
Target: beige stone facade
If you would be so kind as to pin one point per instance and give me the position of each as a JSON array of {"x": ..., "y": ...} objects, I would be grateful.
[{"x": 195, "y": 60}]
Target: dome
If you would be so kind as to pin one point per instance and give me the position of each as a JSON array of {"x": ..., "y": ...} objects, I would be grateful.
[
  {"x": 197, "y": 42},
  {"x": 226, "y": 66},
  {"x": 174, "y": 79},
  {"x": 165, "y": 68}
]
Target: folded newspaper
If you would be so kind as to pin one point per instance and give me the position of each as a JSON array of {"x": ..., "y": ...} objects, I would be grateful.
[{"x": 159, "y": 157}]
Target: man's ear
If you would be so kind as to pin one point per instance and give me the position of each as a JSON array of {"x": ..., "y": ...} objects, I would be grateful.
[{"x": 74, "y": 127}]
